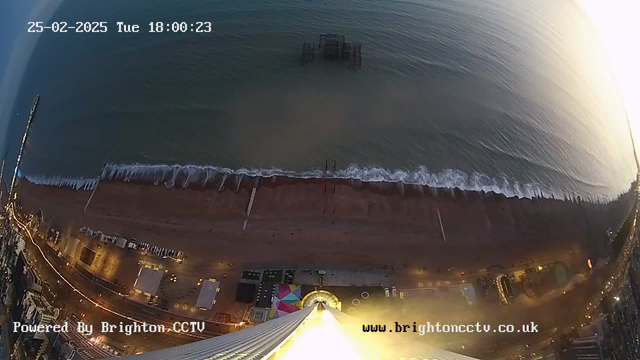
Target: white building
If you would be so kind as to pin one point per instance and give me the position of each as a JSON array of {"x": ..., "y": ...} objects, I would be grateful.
[
  {"x": 37, "y": 311},
  {"x": 208, "y": 292}
]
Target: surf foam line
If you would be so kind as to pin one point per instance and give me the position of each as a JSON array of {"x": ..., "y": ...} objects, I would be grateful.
[
  {"x": 197, "y": 175},
  {"x": 78, "y": 183}
]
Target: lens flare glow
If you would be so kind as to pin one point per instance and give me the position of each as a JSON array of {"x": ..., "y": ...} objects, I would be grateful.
[
  {"x": 618, "y": 27},
  {"x": 321, "y": 337}
]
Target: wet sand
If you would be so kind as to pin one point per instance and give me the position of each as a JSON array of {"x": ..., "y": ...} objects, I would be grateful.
[{"x": 338, "y": 222}]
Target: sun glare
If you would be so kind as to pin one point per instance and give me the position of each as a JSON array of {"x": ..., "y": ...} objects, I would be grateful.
[
  {"x": 323, "y": 333},
  {"x": 616, "y": 21}
]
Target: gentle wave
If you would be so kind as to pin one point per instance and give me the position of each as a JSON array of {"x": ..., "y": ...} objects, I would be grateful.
[{"x": 196, "y": 175}]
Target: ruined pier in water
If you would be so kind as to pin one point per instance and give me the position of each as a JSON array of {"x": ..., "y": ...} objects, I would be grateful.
[{"x": 333, "y": 47}]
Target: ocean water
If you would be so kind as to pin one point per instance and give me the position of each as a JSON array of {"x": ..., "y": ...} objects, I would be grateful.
[{"x": 509, "y": 96}]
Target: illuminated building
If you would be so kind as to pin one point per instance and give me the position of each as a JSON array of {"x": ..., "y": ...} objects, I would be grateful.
[
  {"x": 589, "y": 348},
  {"x": 623, "y": 312}
]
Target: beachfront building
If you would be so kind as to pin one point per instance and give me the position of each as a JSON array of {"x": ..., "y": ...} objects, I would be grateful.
[
  {"x": 589, "y": 348},
  {"x": 315, "y": 331},
  {"x": 208, "y": 291},
  {"x": 37, "y": 311}
]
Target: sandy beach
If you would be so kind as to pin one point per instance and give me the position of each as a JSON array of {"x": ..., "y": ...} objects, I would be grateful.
[{"x": 338, "y": 222}]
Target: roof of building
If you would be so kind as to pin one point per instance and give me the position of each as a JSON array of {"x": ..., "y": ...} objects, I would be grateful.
[
  {"x": 148, "y": 280},
  {"x": 208, "y": 292},
  {"x": 37, "y": 300}
]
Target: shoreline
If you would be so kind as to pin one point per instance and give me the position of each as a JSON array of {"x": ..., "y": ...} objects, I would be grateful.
[{"x": 196, "y": 176}]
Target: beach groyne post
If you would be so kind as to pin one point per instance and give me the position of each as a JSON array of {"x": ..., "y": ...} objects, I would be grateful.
[
  {"x": 239, "y": 182},
  {"x": 444, "y": 236},
  {"x": 86, "y": 206},
  {"x": 326, "y": 173},
  {"x": 334, "y": 175},
  {"x": 221, "y": 187},
  {"x": 251, "y": 200},
  {"x": 91, "y": 196}
]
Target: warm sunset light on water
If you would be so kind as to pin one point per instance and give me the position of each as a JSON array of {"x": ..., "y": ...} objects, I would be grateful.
[{"x": 617, "y": 24}]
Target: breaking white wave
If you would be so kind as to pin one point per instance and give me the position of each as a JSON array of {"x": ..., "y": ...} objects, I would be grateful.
[
  {"x": 70, "y": 182},
  {"x": 196, "y": 175}
]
